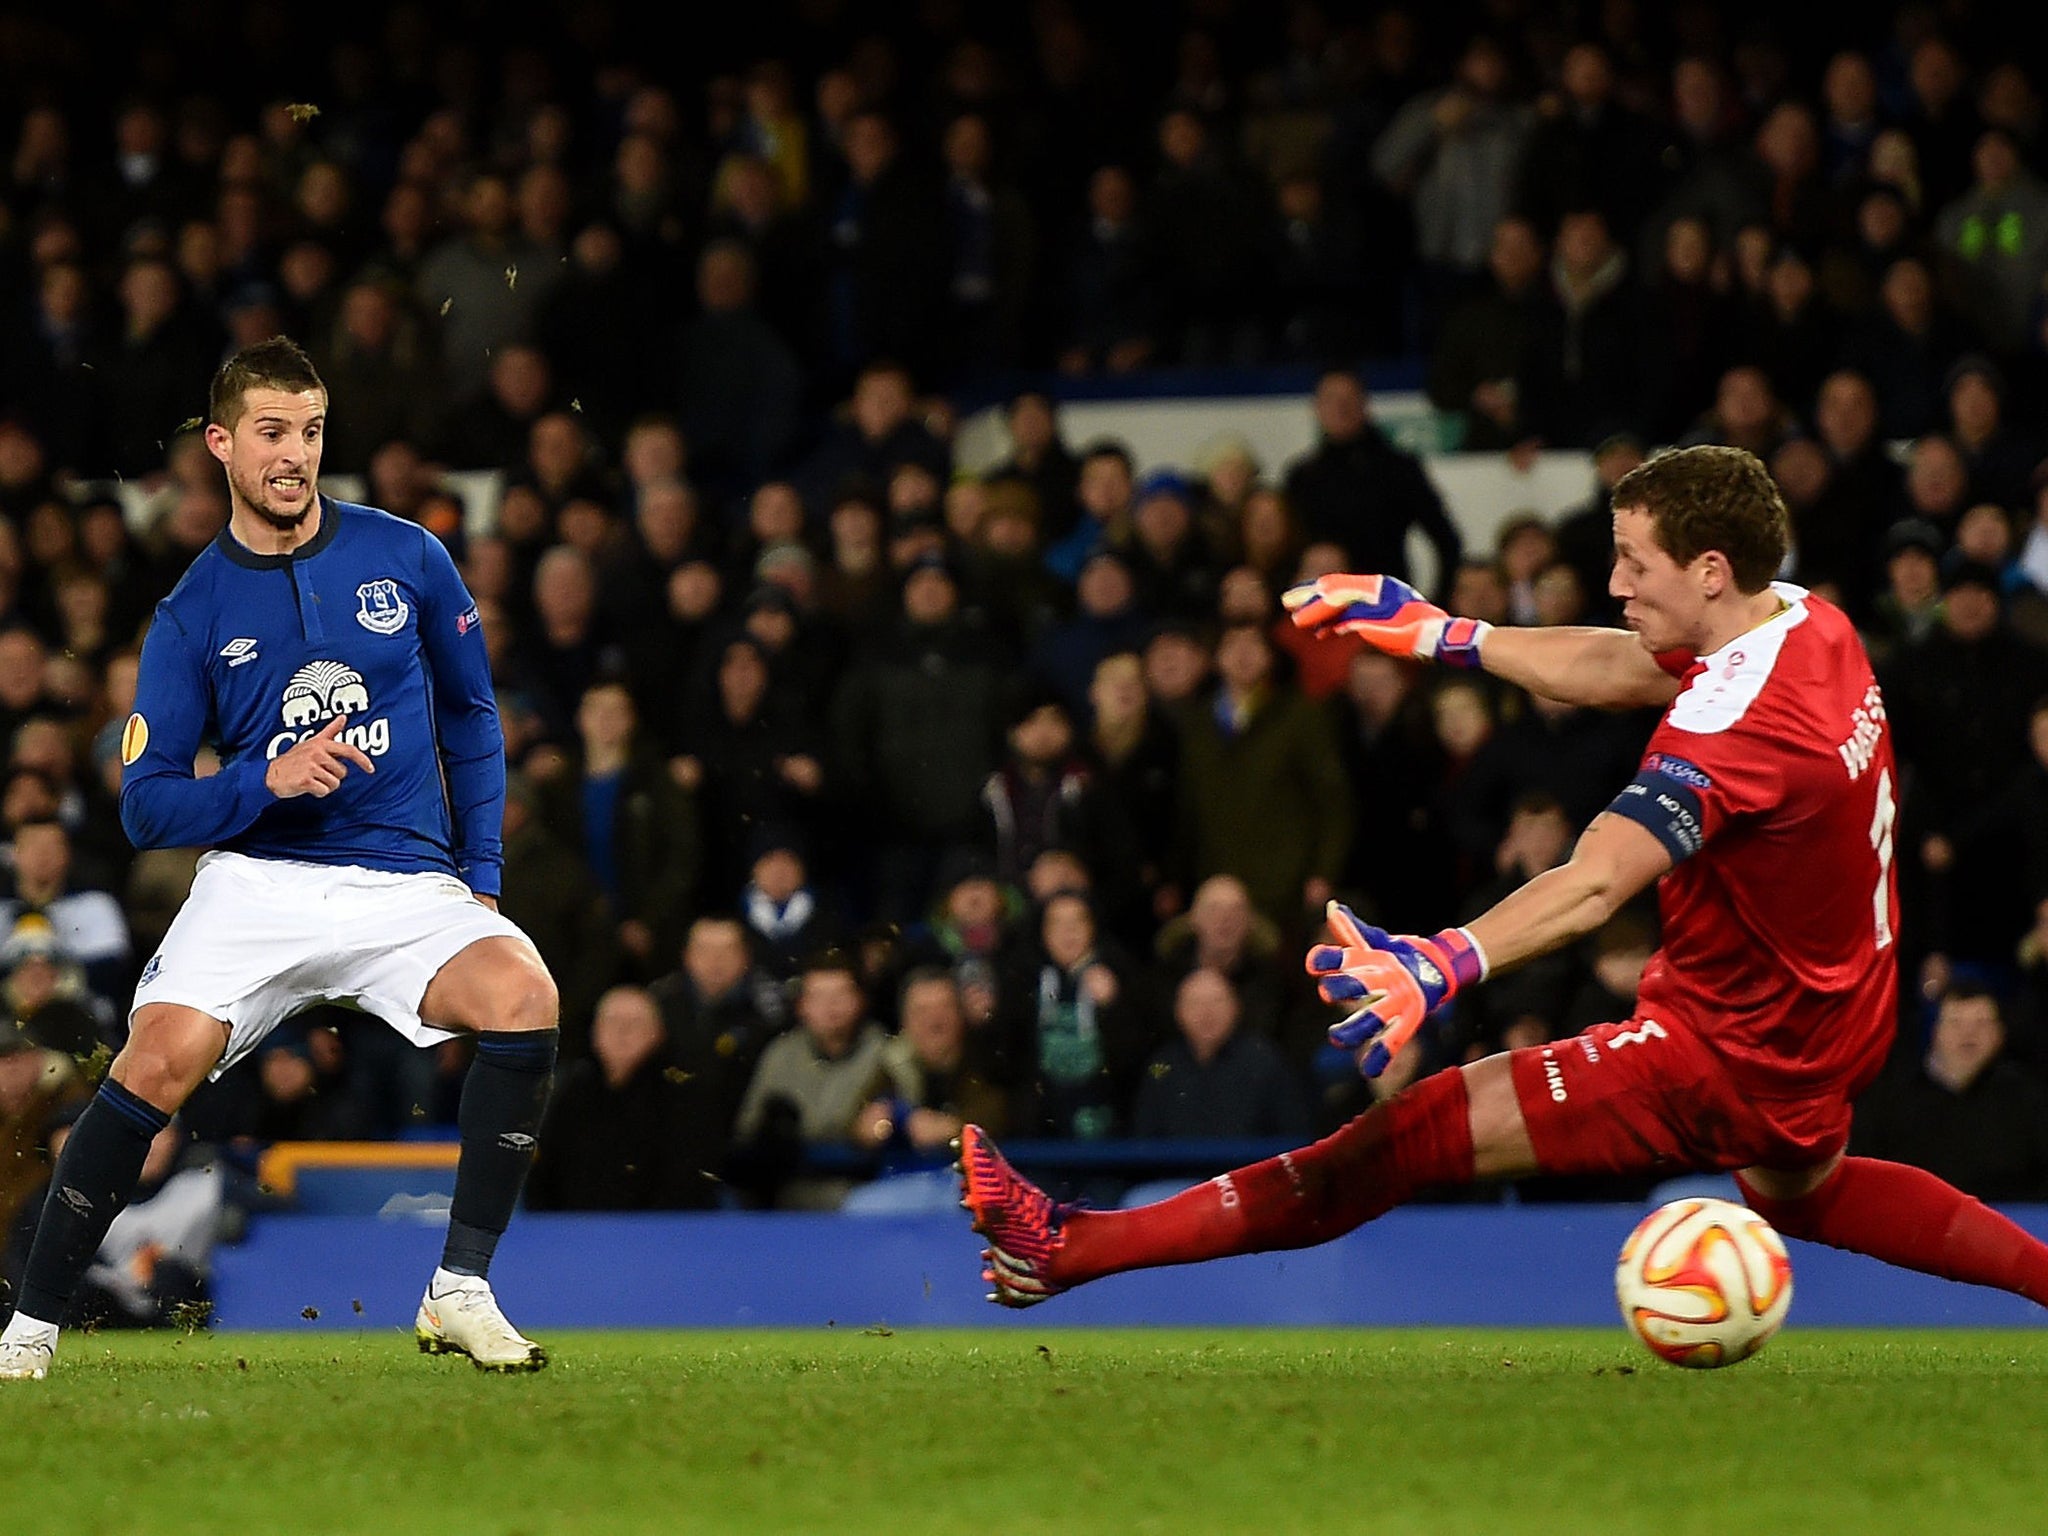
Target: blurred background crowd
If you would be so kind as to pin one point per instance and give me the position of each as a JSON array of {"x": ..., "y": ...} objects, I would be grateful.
[{"x": 852, "y": 792}]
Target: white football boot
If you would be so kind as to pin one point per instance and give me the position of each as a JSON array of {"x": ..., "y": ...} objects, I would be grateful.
[
  {"x": 460, "y": 1316},
  {"x": 28, "y": 1358}
]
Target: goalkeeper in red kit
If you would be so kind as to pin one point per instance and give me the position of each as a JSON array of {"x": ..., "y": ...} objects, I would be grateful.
[{"x": 1763, "y": 811}]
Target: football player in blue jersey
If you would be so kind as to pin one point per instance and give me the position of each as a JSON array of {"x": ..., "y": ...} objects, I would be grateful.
[{"x": 332, "y": 658}]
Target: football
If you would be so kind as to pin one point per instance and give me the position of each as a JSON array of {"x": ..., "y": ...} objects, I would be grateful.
[{"x": 1703, "y": 1282}]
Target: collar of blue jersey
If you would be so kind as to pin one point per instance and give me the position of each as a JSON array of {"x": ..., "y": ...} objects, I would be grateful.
[{"x": 243, "y": 555}]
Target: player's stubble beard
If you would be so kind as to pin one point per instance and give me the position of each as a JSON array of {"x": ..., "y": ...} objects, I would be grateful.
[{"x": 254, "y": 495}]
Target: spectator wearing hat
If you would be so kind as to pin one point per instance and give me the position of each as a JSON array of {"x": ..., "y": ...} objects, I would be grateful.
[
  {"x": 89, "y": 925},
  {"x": 802, "y": 652},
  {"x": 1003, "y": 578},
  {"x": 44, "y": 989},
  {"x": 1357, "y": 490},
  {"x": 1226, "y": 477},
  {"x": 1909, "y": 607},
  {"x": 1959, "y": 701},
  {"x": 1172, "y": 564}
]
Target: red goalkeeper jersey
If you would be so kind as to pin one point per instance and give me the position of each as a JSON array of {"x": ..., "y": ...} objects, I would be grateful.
[{"x": 1770, "y": 779}]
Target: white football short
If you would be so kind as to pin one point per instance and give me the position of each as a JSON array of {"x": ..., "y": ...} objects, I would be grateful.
[{"x": 259, "y": 940}]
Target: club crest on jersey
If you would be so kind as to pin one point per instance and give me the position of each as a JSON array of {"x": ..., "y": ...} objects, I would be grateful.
[
  {"x": 318, "y": 692},
  {"x": 382, "y": 609}
]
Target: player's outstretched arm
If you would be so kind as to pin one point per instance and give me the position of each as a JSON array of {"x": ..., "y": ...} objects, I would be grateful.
[
  {"x": 1393, "y": 982},
  {"x": 1615, "y": 860},
  {"x": 1597, "y": 668},
  {"x": 1579, "y": 664}
]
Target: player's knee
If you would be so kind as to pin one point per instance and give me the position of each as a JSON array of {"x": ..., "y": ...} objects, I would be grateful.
[
  {"x": 529, "y": 1002},
  {"x": 168, "y": 1054}
]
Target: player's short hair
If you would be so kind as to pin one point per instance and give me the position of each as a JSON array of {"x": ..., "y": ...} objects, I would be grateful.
[
  {"x": 278, "y": 363},
  {"x": 1712, "y": 498}
]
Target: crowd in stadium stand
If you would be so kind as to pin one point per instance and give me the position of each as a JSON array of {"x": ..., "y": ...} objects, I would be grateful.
[{"x": 851, "y": 795}]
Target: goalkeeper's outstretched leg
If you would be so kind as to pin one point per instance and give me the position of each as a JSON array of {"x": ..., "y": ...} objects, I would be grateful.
[{"x": 1446, "y": 1130}]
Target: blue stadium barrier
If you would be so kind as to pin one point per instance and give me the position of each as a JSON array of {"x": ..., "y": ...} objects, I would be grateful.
[{"x": 1431, "y": 1266}]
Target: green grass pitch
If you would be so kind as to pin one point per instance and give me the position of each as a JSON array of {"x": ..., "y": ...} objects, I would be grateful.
[{"x": 1262, "y": 1431}]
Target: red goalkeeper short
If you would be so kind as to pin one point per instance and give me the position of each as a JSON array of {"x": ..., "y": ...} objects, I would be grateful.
[{"x": 1647, "y": 1095}]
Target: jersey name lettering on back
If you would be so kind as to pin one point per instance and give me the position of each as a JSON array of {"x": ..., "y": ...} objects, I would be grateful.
[{"x": 1866, "y": 731}]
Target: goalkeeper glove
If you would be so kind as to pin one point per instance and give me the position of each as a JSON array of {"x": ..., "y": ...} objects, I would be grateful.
[
  {"x": 1389, "y": 614},
  {"x": 1396, "y": 981}
]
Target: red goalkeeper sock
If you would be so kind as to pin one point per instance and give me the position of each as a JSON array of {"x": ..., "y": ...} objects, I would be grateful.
[
  {"x": 1907, "y": 1216},
  {"x": 1420, "y": 1138}
]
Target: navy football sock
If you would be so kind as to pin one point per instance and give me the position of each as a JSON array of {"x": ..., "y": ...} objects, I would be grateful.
[
  {"x": 95, "y": 1177},
  {"x": 502, "y": 1101}
]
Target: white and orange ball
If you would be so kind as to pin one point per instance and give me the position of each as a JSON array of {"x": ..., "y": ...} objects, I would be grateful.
[{"x": 1703, "y": 1282}]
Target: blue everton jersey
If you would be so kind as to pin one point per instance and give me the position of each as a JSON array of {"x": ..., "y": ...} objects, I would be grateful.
[{"x": 254, "y": 653}]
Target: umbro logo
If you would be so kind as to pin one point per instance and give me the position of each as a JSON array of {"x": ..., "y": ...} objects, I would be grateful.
[
  {"x": 77, "y": 1200},
  {"x": 516, "y": 1141},
  {"x": 239, "y": 650}
]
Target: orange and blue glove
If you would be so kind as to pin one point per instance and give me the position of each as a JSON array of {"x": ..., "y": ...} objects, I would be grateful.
[
  {"x": 1388, "y": 614},
  {"x": 1395, "y": 980}
]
